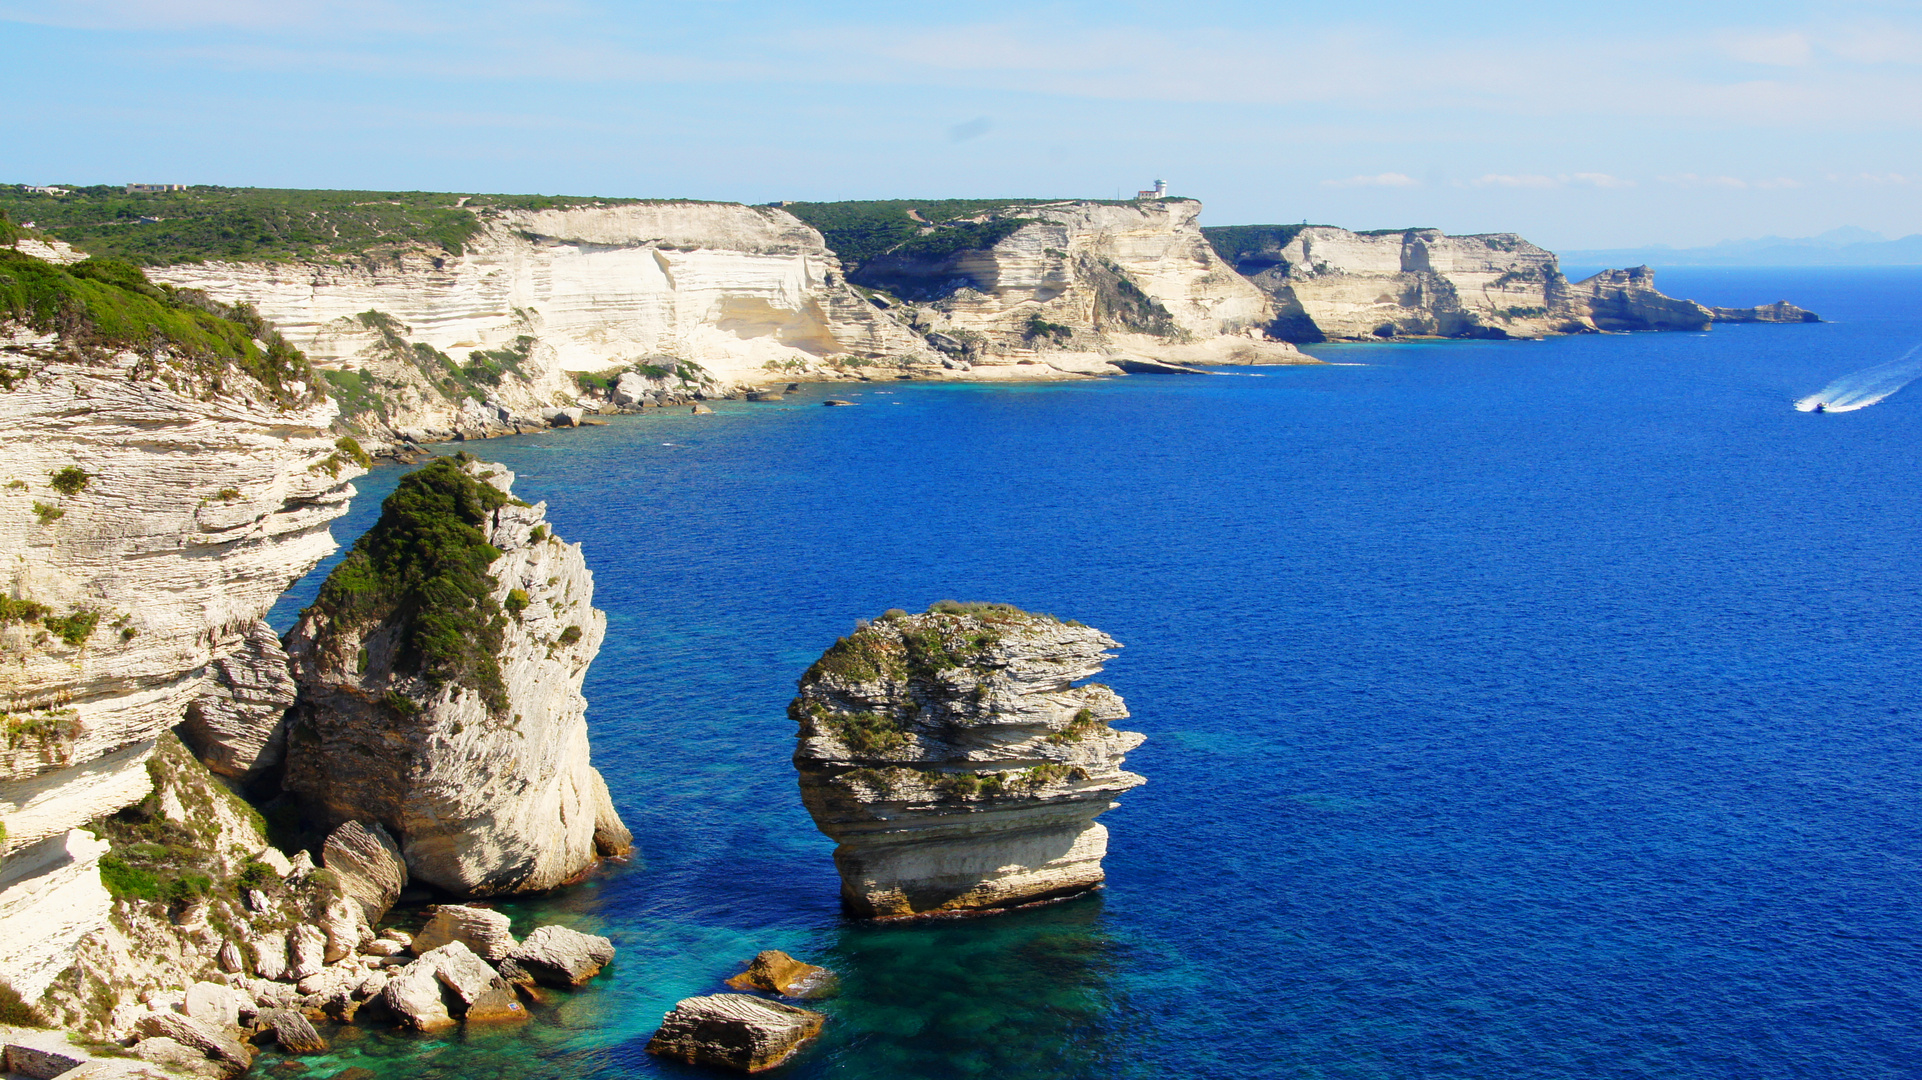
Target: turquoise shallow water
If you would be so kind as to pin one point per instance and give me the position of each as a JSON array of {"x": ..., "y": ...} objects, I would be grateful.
[{"x": 1514, "y": 709}]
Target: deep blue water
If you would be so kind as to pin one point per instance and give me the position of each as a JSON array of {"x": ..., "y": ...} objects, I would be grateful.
[{"x": 1515, "y": 710}]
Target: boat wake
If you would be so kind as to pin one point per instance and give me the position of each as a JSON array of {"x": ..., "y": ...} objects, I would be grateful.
[{"x": 1861, "y": 389}]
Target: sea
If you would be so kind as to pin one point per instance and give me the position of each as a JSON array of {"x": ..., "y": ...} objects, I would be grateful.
[{"x": 1514, "y": 710}]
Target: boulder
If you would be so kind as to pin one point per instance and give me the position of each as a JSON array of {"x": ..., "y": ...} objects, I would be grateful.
[
  {"x": 368, "y": 864},
  {"x": 480, "y": 993},
  {"x": 195, "y": 1035},
  {"x": 486, "y": 932},
  {"x": 629, "y": 389},
  {"x": 414, "y": 997},
  {"x": 778, "y": 973},
  {"x": 734, "y": 1031},
  {"x": 296, "y": 1034},
  {"x": 176, "y": 1058},
  {"x": 558, "y": 956},
  {"x": 836, "y": 402},
  {"x": 230, "y": 960},
  {"x": 302, "y": 864},
  {"x": 701, "y": 410},
  {"x": 275, "y": 860},
  {"x": 270, "y": 956},
  {"x": 309, "y": 948},
  {"x": 383, "y": 947},
  {"x": 212, "y": 1004},
  {"x": 341, "y": 922}
]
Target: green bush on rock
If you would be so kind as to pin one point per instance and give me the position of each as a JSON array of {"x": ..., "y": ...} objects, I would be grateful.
[{"x": 423, "y": 568}]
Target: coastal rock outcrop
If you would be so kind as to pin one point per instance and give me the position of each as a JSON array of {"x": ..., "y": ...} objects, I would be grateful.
[
  {"x": 1331, "y": 284},
  {"x": 959, "y": 758},
  {"x": 776, "y": 972},
  {"x": 440, "y": 671},
  {"x": 734, "y": 1031}
]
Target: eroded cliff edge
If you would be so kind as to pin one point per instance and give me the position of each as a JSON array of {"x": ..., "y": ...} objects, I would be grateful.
[
  {"x": 959, "y": 758},
  {"x": 166, "y": 469},
  {"x": 439, "y": 676},
  {"x": 1333, "y": 284}
]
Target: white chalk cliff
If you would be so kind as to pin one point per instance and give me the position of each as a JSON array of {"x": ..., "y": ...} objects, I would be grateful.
[
  {"x": 151, "y": 513},
  {"x": 1331, "y": 284},
  {"x": 1078, "y": 284},
  {"x": 741, "y": 291}
]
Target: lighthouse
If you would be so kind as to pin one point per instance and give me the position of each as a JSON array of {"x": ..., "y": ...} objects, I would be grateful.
[{"x": 1159, "y": 191}]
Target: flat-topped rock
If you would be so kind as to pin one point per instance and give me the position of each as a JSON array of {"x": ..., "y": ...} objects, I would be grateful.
[
  {"x": 957, "y": 762},
  {"x": 488, "y": 933},
  {"x": 558, "y": 956},
  {"x": 734, "y": 1031},
  {"x": 778, "y": 973}
]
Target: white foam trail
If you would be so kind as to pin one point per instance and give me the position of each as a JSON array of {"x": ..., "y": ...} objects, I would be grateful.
[{"x": 1861, "y": 389}]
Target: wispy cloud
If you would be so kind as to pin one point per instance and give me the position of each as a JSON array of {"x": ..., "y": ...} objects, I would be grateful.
[
  {"x": 1560, "y": 180},
  {"x": 1735, "y": 183},
  {"x": 1387, "y": 180}
]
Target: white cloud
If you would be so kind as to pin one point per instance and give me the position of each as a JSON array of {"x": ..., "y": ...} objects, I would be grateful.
[
  {"x": 1733, "y": 183},
  {"x": 1560, "y": 180},
  {"x": 1387, "y": 179}
]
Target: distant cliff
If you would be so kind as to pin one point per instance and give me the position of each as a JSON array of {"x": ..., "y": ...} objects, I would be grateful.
[
  {"x": 1331, "y": 284},
  {"x": 1072, "y": 286}
]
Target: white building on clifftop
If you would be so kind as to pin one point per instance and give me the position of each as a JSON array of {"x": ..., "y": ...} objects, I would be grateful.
[{"x": 1159, "y": 191}]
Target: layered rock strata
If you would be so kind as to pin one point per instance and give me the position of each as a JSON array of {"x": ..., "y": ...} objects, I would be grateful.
[
  {"x": 1331, "y": 284},
  {"x": 738, "y": 291},
  {"x": 440, "y": 674},
  {"x": 959, "y": 759},
  {"x": 1075, "y": 285},
  {"x": 734, "y": 1031},
  {"x": 158, "y": 502}
]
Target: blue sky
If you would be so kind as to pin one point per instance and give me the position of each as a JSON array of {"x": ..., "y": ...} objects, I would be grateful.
[{"x": 1579, "y": 125}]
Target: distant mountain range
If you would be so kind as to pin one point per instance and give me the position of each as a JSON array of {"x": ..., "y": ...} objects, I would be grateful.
[{"x": 1837, "y": 247}]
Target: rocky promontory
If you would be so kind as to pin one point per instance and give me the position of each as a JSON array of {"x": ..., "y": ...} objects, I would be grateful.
[
  {"x": 1333, "y": 284},
  {"x": 439, "y": 674},
  {"x": 959, "y": 758}
]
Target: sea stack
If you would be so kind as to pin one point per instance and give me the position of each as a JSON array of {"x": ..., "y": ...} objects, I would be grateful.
[
  {"x": 440, "y": 675},
  {"x": 959, "y": 758}
]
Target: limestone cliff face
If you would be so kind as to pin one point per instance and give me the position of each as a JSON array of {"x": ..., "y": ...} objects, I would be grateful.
[
  {"x": 440, "y": 675},
  {"x": 960, "y": 760},
  {"x": 151, "y": 511},
  {"x": 740, "y": 291},
  {"x": 1330, "y": 284},
  {"x": 1074, "y": 284}
]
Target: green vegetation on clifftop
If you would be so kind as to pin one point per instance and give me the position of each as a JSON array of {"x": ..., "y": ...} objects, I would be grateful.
[
  {"x": 108, "y": 304},
  {"x": 262, "y": 224},
  {"x": 423, "y": 568}
]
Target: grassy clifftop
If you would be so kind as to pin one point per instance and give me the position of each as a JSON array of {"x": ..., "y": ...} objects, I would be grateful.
[
  {"x": 262, "y": 224},
  {"x": 109, "y": 304}
]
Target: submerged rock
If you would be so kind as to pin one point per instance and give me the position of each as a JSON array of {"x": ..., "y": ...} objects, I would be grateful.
[
  {"x": 440, "y": 671},
  {"x": 778, "y": 973},
  {"x": 734, "y": 1031},
  {"x": 957, "y": 763},
  {"x": 295, "y": 1034}
]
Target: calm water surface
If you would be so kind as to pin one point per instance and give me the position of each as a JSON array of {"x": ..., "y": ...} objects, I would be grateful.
[{"x": 1515, "y": 710}]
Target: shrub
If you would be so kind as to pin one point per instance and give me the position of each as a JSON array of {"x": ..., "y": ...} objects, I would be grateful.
[
  {"x": 538, "y": 534},
  {"x": 257, "y": 875},
  {"x": 47, "y": 514},
  {"x": 126, "y": 882},
  {"x": 517, "y": 602},
  {"x": 73, "y": 629},
  {"x": 18, "y": 1011},
  {"x": 423, "y": 567},
  {"x": 71, "y": 480},
  {"x": 570, "y": 635},
  {"x": 12, "y": 610},
  {"x": 868, "y": 733}
]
